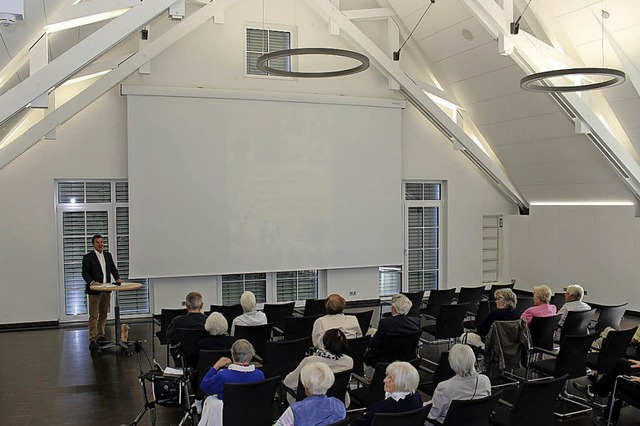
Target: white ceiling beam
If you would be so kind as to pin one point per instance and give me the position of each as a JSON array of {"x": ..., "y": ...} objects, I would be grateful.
[
  {"x": 533, "y": 55},
  {"x": 83, "y": 99},
  {"x": 421, "y": 101},
  {"x": 38, "y": 59},
  {"x": 88, "y": 12},
  {"x": 369, "y": 14},
  {"x": 630, "y": 69},
  {"x": 79, "y": 56}
]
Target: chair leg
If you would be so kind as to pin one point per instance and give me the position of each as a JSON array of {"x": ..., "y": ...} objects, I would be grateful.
[{"x": 567, "y": 397}]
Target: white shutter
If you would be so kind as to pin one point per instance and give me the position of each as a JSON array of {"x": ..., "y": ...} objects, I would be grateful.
[
  {"x": 390, "y": 280},
  {"x": 233, "y": 285},
  {"x": 296, "y": 285},
  {"x": 491, "y": 229},
  {"x": 261, "y": 41}
]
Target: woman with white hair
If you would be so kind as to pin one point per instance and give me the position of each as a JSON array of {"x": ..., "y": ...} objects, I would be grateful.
[
  {"x": 573, "y": 302},
  {"x": 466, "y": 384},
  {"x": 542, "y": 306},
  {"x": 218, "y": 339},
  {"x": 250, "y": 316},
  {"x": 400, "y": 385},
  {"x": 317, "y": 409},
  {"x": 237, "y": 371}
]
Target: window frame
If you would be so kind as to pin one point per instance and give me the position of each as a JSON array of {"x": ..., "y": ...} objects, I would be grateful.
[
  {"x": 270, "y": 27},
  {"x": 272, "y": 287}
]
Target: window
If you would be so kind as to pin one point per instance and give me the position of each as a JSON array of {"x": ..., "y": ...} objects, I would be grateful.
[
  {"x": 261, "y": 41},
  {"x": 285, "y": 286},
  {"x": 390, "y": 280},
  {"x": 491, "y": 233},
  {"x": 89, "y": 208},
  {"x": 423, "y": 206}
]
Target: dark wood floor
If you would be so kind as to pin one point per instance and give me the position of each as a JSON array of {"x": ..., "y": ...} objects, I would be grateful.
[{"x": 49, "y": 377}]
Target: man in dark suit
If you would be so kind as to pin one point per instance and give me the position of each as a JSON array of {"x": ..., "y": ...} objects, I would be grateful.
[
  {"x": 397, "y": 323},
  {"x": 97, "y": 268}
]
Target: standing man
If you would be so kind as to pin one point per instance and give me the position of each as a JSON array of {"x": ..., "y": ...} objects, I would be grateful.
[{"x": 97, "y": 268}]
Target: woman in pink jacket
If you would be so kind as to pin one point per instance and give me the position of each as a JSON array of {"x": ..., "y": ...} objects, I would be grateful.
[{"x": 541, "y": 306}]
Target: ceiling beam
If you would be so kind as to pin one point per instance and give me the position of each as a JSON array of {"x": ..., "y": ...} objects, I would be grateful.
[
  {"x": 79, "y": 56},
  {"x": 421, "y": 101},
  {"x": 83, "y": 99}
]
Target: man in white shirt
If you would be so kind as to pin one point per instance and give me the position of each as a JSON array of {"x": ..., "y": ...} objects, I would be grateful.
[{"x": 97, "y": 268}]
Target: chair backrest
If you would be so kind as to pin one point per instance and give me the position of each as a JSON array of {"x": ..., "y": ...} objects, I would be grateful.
[
  {"x": 415, "y": 417},
  {"x": 536, "y": 402},
  {"x": 576, "y": 323},
  {"x": 188, "y": 348},
  {"x": 541, "y": 329},
  {"x": 249, "y": 403},
  {"x": 558, "y": 300},
  {"x": 314, "y": 307},
  {"x": 450, "y": 322},
  {"x": 283, "y": 356},
  {"x": 442, "y": 372},
  {"x": 524, "y": 303},
  {"x": 337, "y": 390},
  {"x": 166, "y": 316},
  {"x": 299, "y": 327},
  {"x": 277, "y": 313},
  {"x": 436, "y": 299},
  {"x": 610, "y": 316},
  {"x": 399, "y": 347},
  {"x": 495, "y": 287},
  {"x": 229, "y": 312},
  {"x": 356, "y": 349},
  {"x": 471, "y": 412},
  {"x": 572, "y": 357},
  {"x": 506, "y": 346},
  {"x": 206, "y": 359},
  {"x": 257, "y": 335},
  {"x": 364, "y": 320},
  {"x": 614, "y": 347},
  {"x": 472, "y": 296},
  {"x": 485, "y": 308},
  {"x": 416, "y": 300}
]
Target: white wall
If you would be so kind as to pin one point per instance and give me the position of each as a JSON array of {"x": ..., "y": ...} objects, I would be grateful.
[
  {"x": 93, "y": 145},
  {"x": 596, "y": 247}
]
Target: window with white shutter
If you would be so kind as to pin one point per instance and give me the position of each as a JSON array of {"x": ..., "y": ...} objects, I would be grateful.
[
  {"x": 390, "y": 280},
  {"x": 233, "y": 285},
  {"x": 271, "y": 287},
  {"x": 261, "y": 41},
  {"x": 491, "y": 237},
  {"x": 296, "y": 285}
]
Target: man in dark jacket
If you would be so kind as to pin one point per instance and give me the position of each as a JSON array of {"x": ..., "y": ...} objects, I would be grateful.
[
  {"x": 97, "y": 268},
  {"x": 397, "y": 323}
]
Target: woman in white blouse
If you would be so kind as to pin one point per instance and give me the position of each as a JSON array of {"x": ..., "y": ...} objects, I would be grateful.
[{"x": 348, "y": 324}]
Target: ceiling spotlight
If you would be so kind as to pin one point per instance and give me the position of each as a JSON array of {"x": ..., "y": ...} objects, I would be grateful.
[{"x": 7, "y": 19}]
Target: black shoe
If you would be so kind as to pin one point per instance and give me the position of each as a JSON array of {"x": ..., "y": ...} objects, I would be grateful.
[
  {"x": 93, "y": 346},
  {"x": 585, "y": 391},
  {"x": 600, "y": 421}
]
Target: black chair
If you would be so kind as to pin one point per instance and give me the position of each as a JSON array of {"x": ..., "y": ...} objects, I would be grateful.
[
  {"x": 314, "y": 307},
  {"x": 524, "y": 303},
  {"x": 373, "y": 390},
  {"x": 571, "y": 360},
  {"x": 249, "y": 403},
  {"x": 337, "y": 390},
  {"x": 507, "y": 349},
  {"x": 523, "y": 293},
  {"x": 206, "y": 359},
  {"x": 166, "y": 316},
  {"x": 471, "y": 412},
  {"x": 283, "y": 356},
  {"x": 436, "y": 299},
  {"x": 415, "y": 417},
  {"x": 399, "y": 347},
  {"x": 472, "y": 296},
  {"x": 257, "y": 335},
  {"x": 442, "y": 372},
  {"x": 614, "y": 347},
  {"x": 541, "y": 330},
  {"x": 184, "y": 346},
  {"x": 356, "y": 349},
  {"x": 624, "y": 390},
  {"x": 229, "y": 312},
  {"x": 364, "y": 320},
  {"x": 450, "y": 323},
  {"x": 416, "y": 300},
  {"x": 299, "y": 327},
  {"x": 277, "y": 313},
  {"x": 610, "y": 316},
  {"x": 491, "y": 296},
  {"x": 485, "y": 308},
  {"x": 533, "y": 406},
  {"x": 558, "y": 300},
  {"x": 576, "y": 323}
]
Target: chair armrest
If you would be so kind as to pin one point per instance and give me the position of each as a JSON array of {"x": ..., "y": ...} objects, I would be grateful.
[
  {"x": 278, "y": 330},
  {"x": 290, "y": 391},
  {"x": 258, "y": 358},
  {"x": 361, "y": 379},
  {"x": 543, "y": 351},
  {"x": 505, "y": 403}
]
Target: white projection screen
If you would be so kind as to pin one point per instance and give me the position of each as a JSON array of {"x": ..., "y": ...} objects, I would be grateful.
[{"x": 222, "y": 186}]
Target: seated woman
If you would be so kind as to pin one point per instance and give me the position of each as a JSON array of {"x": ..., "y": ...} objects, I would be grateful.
[
  {"x": 317, "y": 408},
  {"x": 333, "y": 355},
  {"x": 348, "y": 324},
  {"x": 216, "y": 325},
  {"x": 506, "y": 301},
  {"x": 250, "y": 316},
  {"x": 238, "y": 371},
  {"x": 541, "y": 304},
  {"x": 466, "y": 384},
  {"x": 400, "y": 385}
]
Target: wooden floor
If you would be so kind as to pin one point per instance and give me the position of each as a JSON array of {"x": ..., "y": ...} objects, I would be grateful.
[{"x": 49, "y": 377}]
